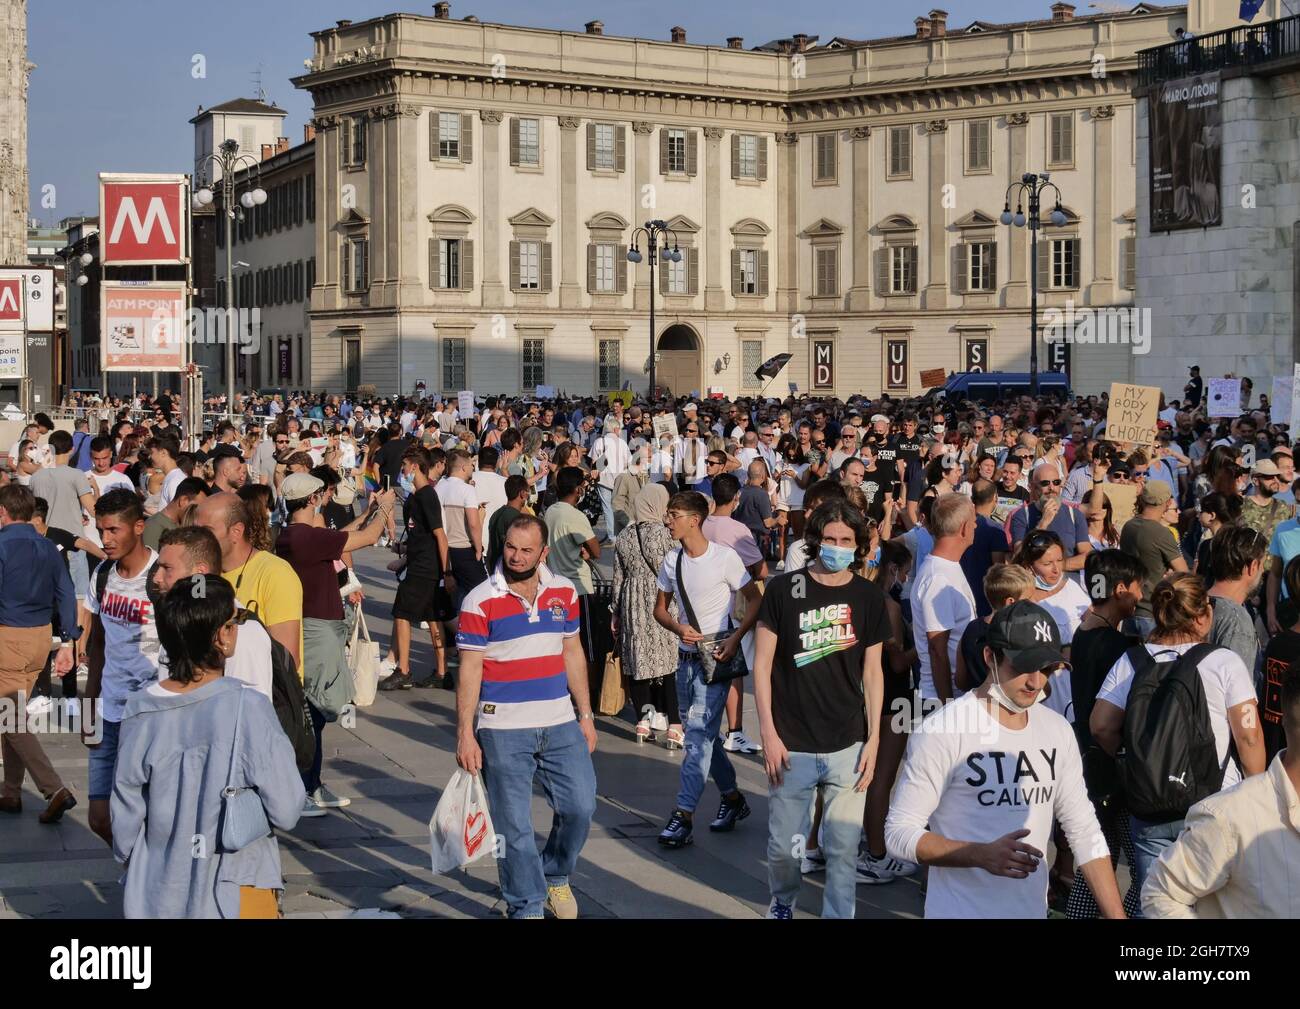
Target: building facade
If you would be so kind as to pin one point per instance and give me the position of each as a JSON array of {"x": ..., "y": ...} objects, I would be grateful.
[
  {"x": 478, "y": 186},
  {"x": 14, "y": 71}
]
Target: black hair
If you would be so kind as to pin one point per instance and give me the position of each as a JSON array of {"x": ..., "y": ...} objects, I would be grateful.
[
  {"x": 725, "y": 488},
  {"x": 530, "y": 522},
  {"x": 123, "y": 502},
  {"x": 515, "y": 485},
  {"x": 100, "y": 443},
  {"x": 692, "y": 502},
  {"x": 821, "y": 491},
  {"x": 327, "y": 475},
  {"x": 836, "y": 511},
  {"x": 567, "y": 481},
  {"x": 60, "y": 442},
  {"x": 1233, "y": 550},
  {"x": 41, "y": 509},
  {"x": 1106, "y": 570},
  {"x": 487, "y": 458},
  {"x": 510, "y": 439},
  {"x": 188, "y": 618},
  {"x": 191, "y": 486}
]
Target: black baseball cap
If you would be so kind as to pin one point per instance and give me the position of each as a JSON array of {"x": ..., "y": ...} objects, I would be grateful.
[
  {"x": 1028, "y": 636},
  {"x": 224, "y": 452}
]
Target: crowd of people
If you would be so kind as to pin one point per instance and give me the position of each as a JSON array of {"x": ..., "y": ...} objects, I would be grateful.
[{"x": 978, "y": 634}]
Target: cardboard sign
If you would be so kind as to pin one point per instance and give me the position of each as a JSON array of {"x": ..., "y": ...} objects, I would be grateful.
[
  {"x": 665, "y": 424},
  {"x": 465, "y": 404},
  {"x": 933, "y": 378},
  {"x": 1132, "y": 413},
  {"x": 1225, "y": 397},
  {"x": 1279, "y": 400},
  {"x": 1123, "y": 501}
]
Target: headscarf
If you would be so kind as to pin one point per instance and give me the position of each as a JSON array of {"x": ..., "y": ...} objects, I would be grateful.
[{"x": 651, "y": 505}]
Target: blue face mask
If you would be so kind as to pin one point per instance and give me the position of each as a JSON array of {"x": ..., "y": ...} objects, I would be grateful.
[
  {"x": 836, "y": 558},
  {"x": 874, "y": 560},
  {"x": 406, "y": 483}
]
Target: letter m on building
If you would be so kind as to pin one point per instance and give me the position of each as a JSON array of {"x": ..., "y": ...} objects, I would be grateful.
[{"x": 144, "y": 222}]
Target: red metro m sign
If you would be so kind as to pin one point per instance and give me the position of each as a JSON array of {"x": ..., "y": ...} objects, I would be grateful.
[{"x": 143, "y": 220}]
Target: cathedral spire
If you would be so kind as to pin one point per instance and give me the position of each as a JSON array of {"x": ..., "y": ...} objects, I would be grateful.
[{"x": 14, "y": 69}]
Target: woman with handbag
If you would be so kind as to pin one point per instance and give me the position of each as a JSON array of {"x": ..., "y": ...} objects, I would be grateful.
[
  {"x": 647, "y": 651},
  {"x": 204, "y": 772}
]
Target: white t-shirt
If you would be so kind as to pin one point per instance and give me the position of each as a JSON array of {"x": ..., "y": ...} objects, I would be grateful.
[
  {"x": 491, "y": 491},
  {"x": 968, "y": 777},
  {"x": 107, "y": 481},
  {"x": 941, "y": 601},
  {"x": 170, "y": 482},
  {"x": 610, "y": 456},
  {"x": 686, "y": 449},
  {"x": 130, "y": 636},
  {"x": 790, "y": 494},
  {"x": 1067, "y": 605},
  {"x": 712, "y": 581},
  {"x": 251, "y": 662},
  {"x": 796, "y": 557},
  {"x": 661, "y": 465},
  {"x": 1225, "y": 678}
]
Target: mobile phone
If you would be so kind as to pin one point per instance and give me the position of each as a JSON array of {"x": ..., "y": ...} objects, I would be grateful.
[{"x": 388, "y": 482}]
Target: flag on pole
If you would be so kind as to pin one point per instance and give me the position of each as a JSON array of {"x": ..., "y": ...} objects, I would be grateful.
[{"x": 1249, "y": 8}]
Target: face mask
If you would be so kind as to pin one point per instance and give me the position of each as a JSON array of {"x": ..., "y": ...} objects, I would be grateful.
[
  {"x": 518, "y": 576},
  {"x": 406, "y": 483},
  {"x": 1045, "y": 585},
  {"x": 836, "y": 558},
  {"x": 874, "y": 560},
  {"x": 1001, "y": 697}
]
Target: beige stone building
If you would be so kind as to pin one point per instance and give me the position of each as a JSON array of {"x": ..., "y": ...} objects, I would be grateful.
[
  {"x": 478, "y": 186},
  {"x": 14, "y": 70}
]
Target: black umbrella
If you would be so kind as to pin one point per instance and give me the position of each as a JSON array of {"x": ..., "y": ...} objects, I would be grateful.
[{"x": 770, "y": 368}]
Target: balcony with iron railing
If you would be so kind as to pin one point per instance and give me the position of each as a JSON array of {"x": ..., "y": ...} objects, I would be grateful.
[{"x": 1262, "y": 48}]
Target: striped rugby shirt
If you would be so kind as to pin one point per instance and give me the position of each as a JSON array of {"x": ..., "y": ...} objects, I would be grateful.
[{"x": 525, "y": 685}]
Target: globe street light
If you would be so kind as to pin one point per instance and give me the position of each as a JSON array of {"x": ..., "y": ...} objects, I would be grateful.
[
  {"x": 655, "y": 232},
  {"x": 1029, "y": 191},
  {"x": 228, "y": 161}
]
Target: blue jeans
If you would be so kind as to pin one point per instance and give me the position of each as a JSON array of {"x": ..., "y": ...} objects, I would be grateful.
[
  {"x": 103, "y": 761},
  {"x": 512, "y": 758},
  {"x": 789, "y": 818},
  {"x": 607, "y": 506},
  {"x": 701, "y": 705},
  {"x": 1149, "y": 841}
]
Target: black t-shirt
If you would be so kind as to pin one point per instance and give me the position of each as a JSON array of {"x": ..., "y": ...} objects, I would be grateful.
[
  {"x": 64, "y": 540},
  {"x": 886, "y": 452},
  {"x": 423, "y": 513},
  {"x": 875, "y": 485},
  {"x": 337, "y": 516},
  {"x": 822, "y": 633},
  {"x": 1283, "y": 649},
  {"x": 908, "y": 449},
  {"x": 973, "y": 640},
  {"x": 389, "y": 459},
  {"x": 1093, "y": 653}
]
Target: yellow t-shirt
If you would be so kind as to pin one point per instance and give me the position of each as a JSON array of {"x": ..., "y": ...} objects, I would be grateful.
[{"x": 269, "y": 587}]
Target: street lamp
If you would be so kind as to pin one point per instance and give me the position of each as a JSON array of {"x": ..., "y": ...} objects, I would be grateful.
[
  {"x": 1029, "y": 191},
  {"x": 228, "y": 161},
  {"x": 655, "y": 232}
]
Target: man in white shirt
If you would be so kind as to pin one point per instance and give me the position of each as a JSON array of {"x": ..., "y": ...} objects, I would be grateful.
[
  {"x": 193, "y": 550},
  {"x": 463, "y": 523},
  {"x": 942, "y": 603},
  {"x": 704, "y": 578},
  {"x": 163, "y": 452},
  {"x": 610, "y": 456},
  {"x": 489, "y": 484},
  {"x": 985, "y": 776}
]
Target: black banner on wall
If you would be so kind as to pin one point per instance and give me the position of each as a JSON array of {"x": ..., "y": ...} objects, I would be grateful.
[{"x": 1186, "y": 153}]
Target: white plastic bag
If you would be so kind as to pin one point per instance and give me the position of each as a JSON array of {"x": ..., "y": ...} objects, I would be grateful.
[{"x": 460, "y": 832}]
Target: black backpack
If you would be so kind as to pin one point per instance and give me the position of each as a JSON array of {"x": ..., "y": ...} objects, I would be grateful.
[
  {"x": 287, "y": 694},
  {"x": 1168, "y": 760}
]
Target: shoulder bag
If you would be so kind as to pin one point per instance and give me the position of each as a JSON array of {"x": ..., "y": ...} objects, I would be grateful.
[
  {"x": 715, "y": 670},
  {"x": 243, "y": 817}
]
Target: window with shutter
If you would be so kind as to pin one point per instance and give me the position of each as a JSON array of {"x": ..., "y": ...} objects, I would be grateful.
[
  {"x": 605, "y": 276},
  {"x": 762, "y": 272},
  {"x": 529, "y": 151},
  {"x": 692, "y": 152},
  {"x": 1060, "y": 148},
  {"x": 748, "y": 272},
  {"x": 449, "y": 263},
  {"x": 900, "y": 152},
  {"x": 466, "y": 264},
  {"x": 676, "y": 151},
  {"x": 979, "y": 145},
  {"x": 530, "y": 269},
  {"x": 359, "y": 142},
  {"x": 745, "y": 148},
  {"x": 603, "y": 151},
  {"x": 466, "y": 138},
  {"x": 826, "y": 259},
  {"x": 824, "y": 151},
  {"x": 675, "y": 275},
  {"x": 620, "y": 261},
  {"x": 1128, "y": 263}
]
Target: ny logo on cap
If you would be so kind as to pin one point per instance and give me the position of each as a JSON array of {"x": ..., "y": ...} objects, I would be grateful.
[{"x": 1043, "y": 631}]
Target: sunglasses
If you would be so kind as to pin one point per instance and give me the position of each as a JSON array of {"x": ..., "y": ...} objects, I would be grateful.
[
  {"x": 1049, "y": 483},
  {"x": 710, "y": 462},
  {"x": 1139, "y": 472}
]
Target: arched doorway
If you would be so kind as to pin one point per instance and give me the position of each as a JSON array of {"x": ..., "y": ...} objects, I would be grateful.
[{"x": 680, "y": 366}]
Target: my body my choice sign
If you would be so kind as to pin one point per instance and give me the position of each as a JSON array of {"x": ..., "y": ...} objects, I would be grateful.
[{"x": 1132, "y": 412}]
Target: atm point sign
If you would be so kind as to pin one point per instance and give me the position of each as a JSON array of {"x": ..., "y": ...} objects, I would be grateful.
[{"x": 143, "y": 219}]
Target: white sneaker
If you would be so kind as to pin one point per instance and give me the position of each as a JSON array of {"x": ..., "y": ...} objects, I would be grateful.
[
  {"x": 875, "y": 871},
  {"x": 311, "y": 808},
  {"x": 326, "y": 799},
  {"x": 813, "y": 861},
  {"x": 902, "y": 867},
  {"x": 40, "y": 706},
  {"x": 738, "y": 742}
]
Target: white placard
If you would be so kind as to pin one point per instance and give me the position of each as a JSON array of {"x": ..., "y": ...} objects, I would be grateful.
[
  {"x": 465, "y": 404},
  {"x": 1295, "y": 395},
  {"x": 666, "y": 424},
  {"x": 1279, "y": 400},
  {"x": 1225, "y": 397}
]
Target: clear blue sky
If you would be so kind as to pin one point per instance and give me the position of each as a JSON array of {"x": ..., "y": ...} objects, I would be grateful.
[{"x": 113, "y": 89}]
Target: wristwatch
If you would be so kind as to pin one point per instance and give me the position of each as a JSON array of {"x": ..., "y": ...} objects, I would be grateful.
[{"x": 589, "y": 716}]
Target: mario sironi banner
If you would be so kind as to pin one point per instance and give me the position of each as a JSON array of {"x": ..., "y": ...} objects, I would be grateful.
[
  {"x": 1186, "y": 153},
  {"x": 142, "y": 326}
]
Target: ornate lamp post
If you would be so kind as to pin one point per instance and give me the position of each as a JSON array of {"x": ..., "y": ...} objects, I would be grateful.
[
  {"x": 1029, "y": 191},
  {"x": 656, "y": 238}
]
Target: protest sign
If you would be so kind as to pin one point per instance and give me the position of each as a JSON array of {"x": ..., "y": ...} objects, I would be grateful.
[{"x": 1131, "y": 413}]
